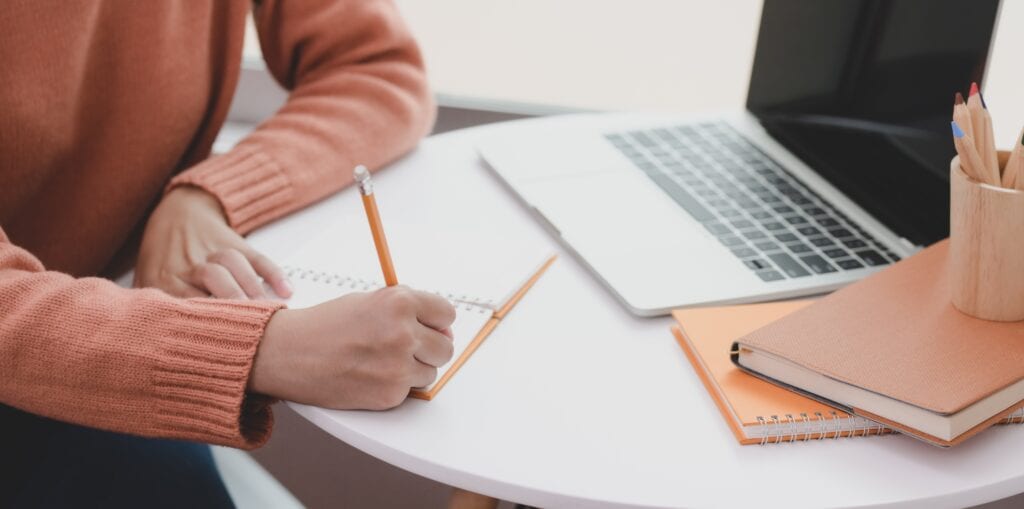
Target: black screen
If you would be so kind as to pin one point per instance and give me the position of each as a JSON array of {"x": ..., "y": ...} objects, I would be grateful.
[{"x": 862, "y": 91}]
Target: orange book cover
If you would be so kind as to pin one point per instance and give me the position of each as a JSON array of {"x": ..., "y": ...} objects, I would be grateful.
[{"x": 897, "y": 334}]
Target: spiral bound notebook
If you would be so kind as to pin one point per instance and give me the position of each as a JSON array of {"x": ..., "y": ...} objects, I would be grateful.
[
  {"x": 477, "y": 314},
  {"x": 756, "y": 411}
]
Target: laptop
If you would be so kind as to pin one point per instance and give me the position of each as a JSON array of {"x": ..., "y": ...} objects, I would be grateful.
[{"x": 837, "y": 168}]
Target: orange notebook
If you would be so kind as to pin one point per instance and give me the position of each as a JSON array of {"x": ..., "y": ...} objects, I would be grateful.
[
  {"x": 759, "y": 412},
  {"x": 893, "y": 349},
  {"x": 756, "y": 411}
]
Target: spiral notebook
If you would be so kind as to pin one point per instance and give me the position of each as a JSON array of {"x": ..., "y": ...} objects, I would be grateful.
[
  {"x": 483, "y": 287},
  {"x": 756, "y": 411}
]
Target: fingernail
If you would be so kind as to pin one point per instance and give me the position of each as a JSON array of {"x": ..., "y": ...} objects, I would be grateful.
[{"x": 287, "y": 285}]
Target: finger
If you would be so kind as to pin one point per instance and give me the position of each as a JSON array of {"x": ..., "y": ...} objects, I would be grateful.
[
  {"x": 434, "y": 349},
  {"x": 433, "y": 311},
  {"x": 240, "y": 268},
  {"x": 271, "y": 273},
  {"x": 423, "y": 375},
  {"x": 179, "y": 288},
  {"x": 447, "y": 331},
  {"x": 217, "y": 280}
]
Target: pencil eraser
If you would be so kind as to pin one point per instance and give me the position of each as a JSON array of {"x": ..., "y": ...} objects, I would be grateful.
[
  {"x": 361, "y": 173},
  {"x": 974, "y": 88},
  {"x": 956, "y": 130}
]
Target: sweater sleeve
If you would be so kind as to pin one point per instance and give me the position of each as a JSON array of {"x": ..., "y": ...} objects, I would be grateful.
[
  {"x": 358, "y": 95},
  {"x": 89, "y": 352}
]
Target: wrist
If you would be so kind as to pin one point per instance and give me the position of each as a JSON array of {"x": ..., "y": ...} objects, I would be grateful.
[
  {"x": 265, "y": 376},
  {"x": 193, "y": 197}
]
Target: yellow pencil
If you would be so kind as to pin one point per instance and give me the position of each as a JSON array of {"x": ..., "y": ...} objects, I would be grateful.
[{"x": 362, "y": 177}]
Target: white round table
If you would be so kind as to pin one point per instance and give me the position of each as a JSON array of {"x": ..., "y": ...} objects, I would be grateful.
[{"x": 573, "y": 402}]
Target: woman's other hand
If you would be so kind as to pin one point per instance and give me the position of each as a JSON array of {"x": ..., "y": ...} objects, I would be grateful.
[{"x": 189, "y": 250}]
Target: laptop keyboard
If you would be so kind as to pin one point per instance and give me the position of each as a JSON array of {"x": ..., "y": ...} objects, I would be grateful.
[{"x": 769, "y": 220}]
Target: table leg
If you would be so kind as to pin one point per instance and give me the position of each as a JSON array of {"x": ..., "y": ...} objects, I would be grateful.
[{"x": 462, "y": 499}]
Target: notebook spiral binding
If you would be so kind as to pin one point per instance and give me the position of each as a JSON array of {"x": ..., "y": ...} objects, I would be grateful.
[
  {"x": 460, "y": 301},
  {"x": 775, "y": 429}
]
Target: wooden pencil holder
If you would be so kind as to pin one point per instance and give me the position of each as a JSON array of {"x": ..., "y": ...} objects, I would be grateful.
[{"x": 986, "y": 261}]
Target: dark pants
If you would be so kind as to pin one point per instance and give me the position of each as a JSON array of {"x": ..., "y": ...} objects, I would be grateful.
[{"x": 46, "y": 463}]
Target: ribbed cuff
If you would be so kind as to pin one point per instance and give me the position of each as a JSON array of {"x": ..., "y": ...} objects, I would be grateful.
[
  {"x": 250, "y": 185},
  {"x": 203, "y": 367}
]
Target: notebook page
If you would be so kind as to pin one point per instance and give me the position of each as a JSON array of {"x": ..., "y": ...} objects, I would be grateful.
[
  {"x": 436, "y": 243},
  {"x": 314, "y": 288}
]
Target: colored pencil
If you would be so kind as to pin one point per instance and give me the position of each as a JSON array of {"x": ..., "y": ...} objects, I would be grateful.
[
  {"x": 970, "y": 161},
  {"x": 981, "y": 123},
  {"x": 1012, "y": 175},
  {"x": 962, "y": 115}
]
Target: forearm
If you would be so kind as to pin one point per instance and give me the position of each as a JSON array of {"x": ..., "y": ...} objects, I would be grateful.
[
  {"x": 133, "y": 361},
  {"x": 359, "y": 95}
]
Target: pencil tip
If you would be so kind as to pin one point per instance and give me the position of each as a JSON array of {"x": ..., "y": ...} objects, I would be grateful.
[
  {"x": 958, "y": 99},
  {"x": 974, "y": 88},
  {"x": 956, "y": 130}
]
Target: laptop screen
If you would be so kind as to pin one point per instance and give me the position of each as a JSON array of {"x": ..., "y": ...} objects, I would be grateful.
[{"x": 862, "y": 91}]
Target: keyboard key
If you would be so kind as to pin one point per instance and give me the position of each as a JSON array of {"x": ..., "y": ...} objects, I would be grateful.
[
  {"x": 729, "y": 213},
  {"x": 741, "y": 224},
  {"x": 789, "y": 266},
  {"x": 717, "y": 228},
  {"x": 762, "y": 215},
  {"x": 683, "y": 198},
  {"x": 814, "y": 211},
  {"x": 796, "y": 220},
  {"x": 799, "y": 248},
  {"x": 837, "y": 252},
  {"x": 872, "y": 258},
  {"x": 850, "y": 264},
  {"x": 822, "y": 241},
  {"x": 786, "y": 237},
  {"x": 767, "y": 246},
  {"x": 773, "y": 226},
  {"x": 827, "y": 222},
  {"x": 855, "y": 244},
  {"x": 770, "y": 275},
  {"x": 743, "y": 252},
  {"x": 757, "y": 264},
  {"x": 892, "y": 256},
  {"x": 783, "y": 209},
  {"x": 800, "y": 200},
  {"x": 643, "y": 139},
  {"x": 840, "y": 233},
  {"x": 754, "y": 234},
  {"x": 808, "y": 231},
  {"x": 818, "y": 264},
  {"x": 731, "y": 241}
]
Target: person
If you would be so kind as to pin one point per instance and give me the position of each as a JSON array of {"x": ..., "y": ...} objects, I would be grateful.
[{"x": 110, "y": 109}]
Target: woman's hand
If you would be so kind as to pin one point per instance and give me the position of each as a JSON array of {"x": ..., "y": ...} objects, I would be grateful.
[
  {"x": 363, "y": 350},
  {"x": 189, "y": 250}
]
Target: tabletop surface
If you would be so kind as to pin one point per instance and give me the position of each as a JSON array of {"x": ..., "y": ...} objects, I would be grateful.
[{"x": 574, "y": 402}]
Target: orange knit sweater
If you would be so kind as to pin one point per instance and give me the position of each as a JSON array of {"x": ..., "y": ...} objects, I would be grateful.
[{"x": 103, "y": 104}]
